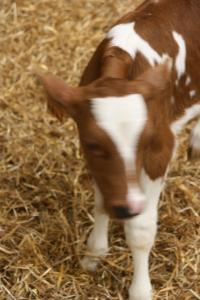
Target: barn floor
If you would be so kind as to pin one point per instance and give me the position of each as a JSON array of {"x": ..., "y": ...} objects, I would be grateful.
[{"x": 46, "y": 197}]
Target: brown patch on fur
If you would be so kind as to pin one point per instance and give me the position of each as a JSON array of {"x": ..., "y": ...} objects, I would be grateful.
[
  {"x": 107, "y": 61},
  {"x": 93, "y": 68},
  {"x": 116, "y": 63},
  {"x": 155, "y": 150}
]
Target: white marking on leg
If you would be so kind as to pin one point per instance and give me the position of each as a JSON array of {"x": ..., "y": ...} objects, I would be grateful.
[
  {"x": 125, "y": 37},
  {"x": 97, "y": 244},
  {"x": 140, "y": 234},
  {"x": 181, "y": 57}
]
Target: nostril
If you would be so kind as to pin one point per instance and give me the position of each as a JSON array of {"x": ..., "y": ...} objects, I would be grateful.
[{"x": 123, "y": 212}]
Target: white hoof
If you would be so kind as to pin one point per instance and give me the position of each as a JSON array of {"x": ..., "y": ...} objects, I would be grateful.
[
  {"x": 140, "y": 292},
  {"x": 89, "y": 263},
  {"x": 96, "y": 248},
  {"x": 140, "y": 297}
]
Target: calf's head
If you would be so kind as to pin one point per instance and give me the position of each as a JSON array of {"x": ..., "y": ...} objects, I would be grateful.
[{"x": 121, "y": 133}]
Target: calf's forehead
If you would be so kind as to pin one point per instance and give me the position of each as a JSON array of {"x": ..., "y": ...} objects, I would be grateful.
[{"x": 122, "y": 119}]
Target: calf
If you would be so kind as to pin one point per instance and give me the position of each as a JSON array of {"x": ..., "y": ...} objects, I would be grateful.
[{"x": 139, "y": 89}]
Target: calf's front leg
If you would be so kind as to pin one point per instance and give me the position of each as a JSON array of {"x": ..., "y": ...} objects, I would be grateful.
[
  {"x": 97, "y": 244},
  {"x": 140, "y": 235}
]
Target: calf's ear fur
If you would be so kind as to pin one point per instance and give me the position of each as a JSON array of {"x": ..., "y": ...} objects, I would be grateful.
[
  {"x": 156, "y": 79},
  {"x": 61, "y": 99}
]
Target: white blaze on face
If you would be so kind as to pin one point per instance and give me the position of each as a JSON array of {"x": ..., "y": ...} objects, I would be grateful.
[
  {"x": 181, "y": 56},
  {"x": 123, "y": 119},
  {"x": 125, "y": 37}
]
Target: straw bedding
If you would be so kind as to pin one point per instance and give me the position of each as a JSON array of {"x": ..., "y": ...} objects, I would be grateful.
[{"x": 46, "y": 195}]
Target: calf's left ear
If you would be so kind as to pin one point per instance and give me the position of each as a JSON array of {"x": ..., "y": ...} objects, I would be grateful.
[
  {"x": 156, "y": 79},
  {"x": 61, "y": 99}
]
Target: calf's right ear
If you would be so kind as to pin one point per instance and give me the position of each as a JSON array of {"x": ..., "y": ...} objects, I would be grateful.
[
  {"x": 62, "y": 99},
  {"x": 156, "y": 79}
]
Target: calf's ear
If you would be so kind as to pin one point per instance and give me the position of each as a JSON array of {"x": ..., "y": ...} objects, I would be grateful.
[
  {"x": 158, "y": 152},
  {"x": 156, "y": 79},
  {"x": 61, "y": 99}
]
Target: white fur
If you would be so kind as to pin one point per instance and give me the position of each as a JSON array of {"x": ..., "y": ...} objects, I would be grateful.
[
  {"x": 151, "y": 188},
  {"x": 195, "y": 136},
  {"x": 192, "y": 93},
  {"x": 123, "y": 119},
  {"x": 140, "y": 235},
  {"x": 181, "y": 56},
  {"x": 134, "y": 193},
  {"x": 97, "y": 244},
  {"x": 125, "y": 37},
  {"x": 189, "y": 114},
  {"x": 188, "y": 80}
]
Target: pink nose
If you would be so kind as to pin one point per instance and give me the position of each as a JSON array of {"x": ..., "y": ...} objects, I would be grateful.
[
  {"x": 137, "y": 206},
  {"x": 129, "y": 211}
]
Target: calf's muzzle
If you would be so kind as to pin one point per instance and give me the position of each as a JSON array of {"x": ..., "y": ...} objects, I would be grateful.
[{"x": 126, "y": 211}]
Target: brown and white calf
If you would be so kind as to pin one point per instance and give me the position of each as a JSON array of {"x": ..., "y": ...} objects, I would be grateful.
[{"x": 139, "y": 89}]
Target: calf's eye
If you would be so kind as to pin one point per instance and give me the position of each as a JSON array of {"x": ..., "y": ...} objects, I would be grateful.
[{"x": 96, "y": 150}]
